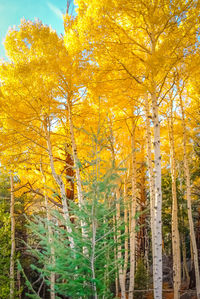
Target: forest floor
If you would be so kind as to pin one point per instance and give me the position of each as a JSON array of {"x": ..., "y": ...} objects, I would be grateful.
[
  {"x": 185, "y": 294},
  {"x": 167, "y": 294}
]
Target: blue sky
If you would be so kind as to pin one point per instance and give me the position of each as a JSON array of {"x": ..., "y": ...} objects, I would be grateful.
[{"x": 12, "y": 11}]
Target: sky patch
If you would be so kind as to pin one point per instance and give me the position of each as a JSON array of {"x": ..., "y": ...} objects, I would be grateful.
[{"x": 55, "y": 10}]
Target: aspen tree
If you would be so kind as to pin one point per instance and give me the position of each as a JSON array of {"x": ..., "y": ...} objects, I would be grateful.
[
  {"x": 150, "y": 169},
  {"x": 132, "y": 213},
  {"x": 12, "y": 255},
  {"x": 153, "y": 36},
  {"x": 60, "y": 82},
  {"x": 175, "y": 230},
  {"x": 131, "y": 48},
  {"x": 117, "y": 222},
  {"x": 141, "y": 246},
  {"x": 119, "y": 247},
  {"x": 126, "y": 230}
]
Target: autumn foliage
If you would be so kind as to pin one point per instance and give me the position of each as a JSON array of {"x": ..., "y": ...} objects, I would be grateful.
[{"x": 100, "y": 130}]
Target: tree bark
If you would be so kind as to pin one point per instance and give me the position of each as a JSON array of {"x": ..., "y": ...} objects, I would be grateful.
[
  {"x": 132, "y": 217},
  {"x": 175, "y": 230},
  {"x": 119, "y": 246},
  {"x": 115, "y": 258},
  {"x": 12, "y": 255},
  {"x": 150, "y": 170},
  {"x": 117, "y": 222},
  {"x": 157, "y": 258},
  {"x": 94, "y": 228},
  {"x": 126, "y": 231},
  {"x": 141, "y": 247}
]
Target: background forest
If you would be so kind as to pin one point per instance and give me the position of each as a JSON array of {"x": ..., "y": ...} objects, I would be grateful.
[{"x": 100, "y": 153}]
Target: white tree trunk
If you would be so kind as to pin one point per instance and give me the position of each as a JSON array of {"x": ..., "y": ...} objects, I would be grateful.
[
  {"x": 119, "y": 247},
  {"x": 157, "y": 258},
  {"x": 12, "y": 255},
  {"x": 150, "y": 170},
  {"x": 132, "y": 218},
  {"x": 94, "y": 228},
  {"x": 126, "y": 231},
  {"x": 189, "y": 204},
  {"x": 175, "y": 231},
  {"x": 115, "y": 258}
]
